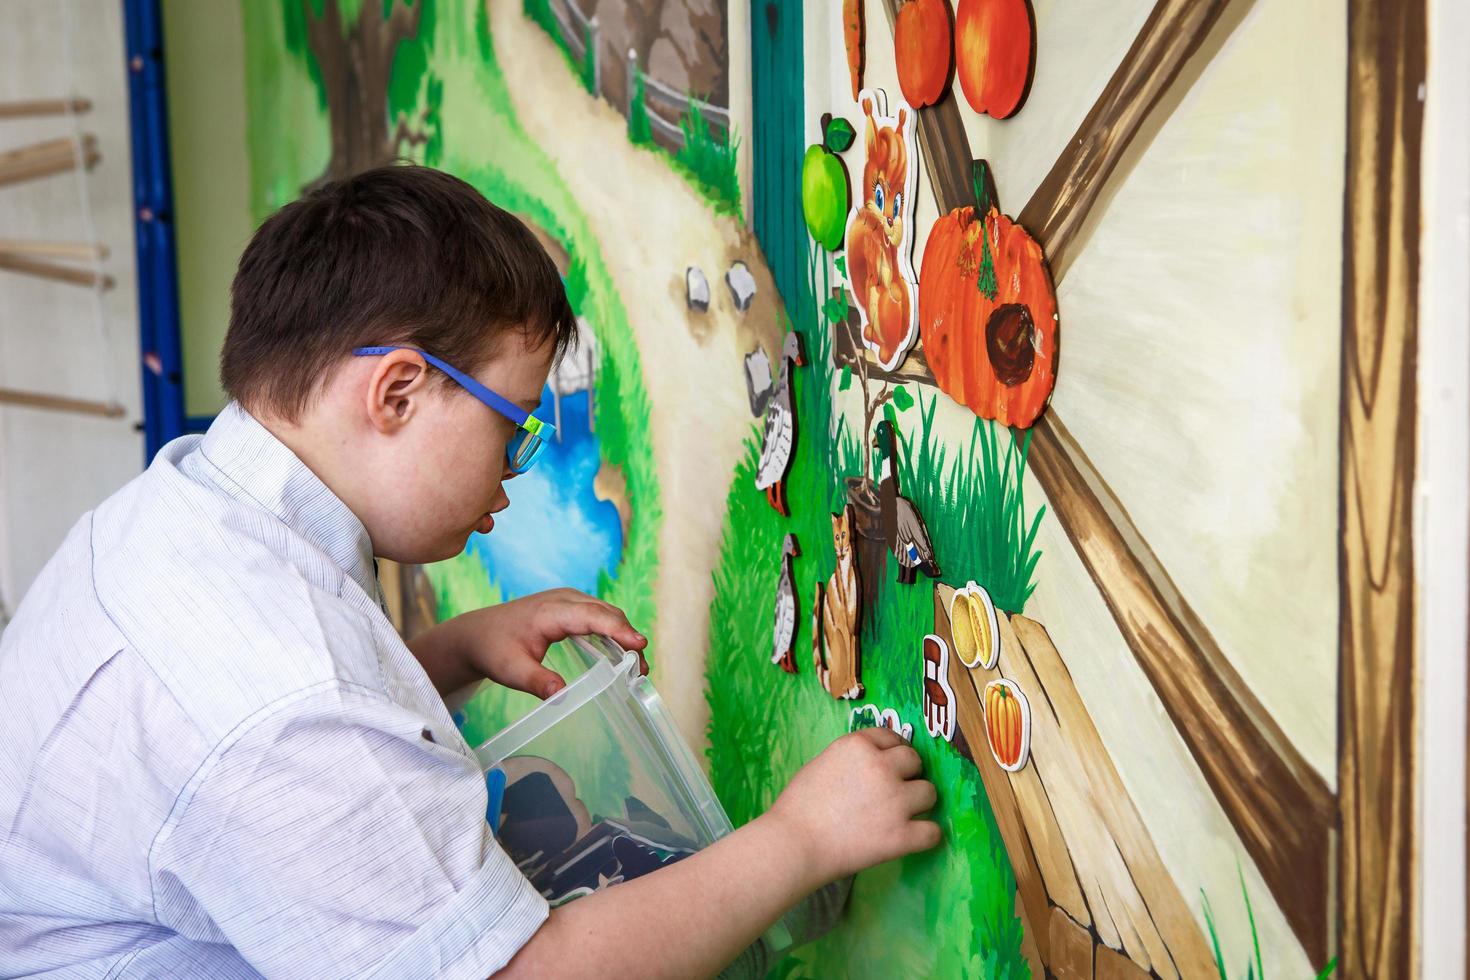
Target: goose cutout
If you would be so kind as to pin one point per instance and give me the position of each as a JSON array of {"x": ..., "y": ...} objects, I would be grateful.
[
  {"x": 903, "y": 528},
  {"x": 779, "y": 438},
  {"x": 785, "y": 630}
]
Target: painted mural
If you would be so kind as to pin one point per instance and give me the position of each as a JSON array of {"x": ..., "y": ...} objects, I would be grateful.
[{"x": 994, "y": 370}]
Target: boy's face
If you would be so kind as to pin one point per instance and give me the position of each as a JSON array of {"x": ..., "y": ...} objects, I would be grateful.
[{"x": 448, "y": 463}]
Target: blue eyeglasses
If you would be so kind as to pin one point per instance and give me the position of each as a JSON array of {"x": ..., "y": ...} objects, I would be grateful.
[{"x": 526, "y": 445}]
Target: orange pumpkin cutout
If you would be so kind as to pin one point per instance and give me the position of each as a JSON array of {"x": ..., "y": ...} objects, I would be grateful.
[
  {"x": 995, "y": 53},
  {"x": 987, "y": 311},
  {"x": 922, "y": 50},
  {"x": 1007, "y": 724}
]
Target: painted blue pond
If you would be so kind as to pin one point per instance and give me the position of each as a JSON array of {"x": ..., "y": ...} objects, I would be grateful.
[{"x": 555, "y": 532}]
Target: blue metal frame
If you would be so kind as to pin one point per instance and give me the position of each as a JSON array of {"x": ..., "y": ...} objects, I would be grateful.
[{"x": 153, "y": 214}]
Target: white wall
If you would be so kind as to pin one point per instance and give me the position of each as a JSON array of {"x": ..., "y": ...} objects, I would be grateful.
[
  {"x": 1442, "y": 489},
  {"x": 55, "y": 466}
]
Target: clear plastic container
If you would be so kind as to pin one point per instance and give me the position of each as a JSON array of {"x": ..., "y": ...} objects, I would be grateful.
[{"x": 600, "y": 787}]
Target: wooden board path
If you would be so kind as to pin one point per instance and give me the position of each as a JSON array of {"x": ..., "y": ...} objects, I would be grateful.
[{"x": 1094, "y": 893}]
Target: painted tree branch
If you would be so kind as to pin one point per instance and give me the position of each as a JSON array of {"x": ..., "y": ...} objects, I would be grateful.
[
  {"x": 1378, "y": 702},
  {"x": 1282, "y": 809}
]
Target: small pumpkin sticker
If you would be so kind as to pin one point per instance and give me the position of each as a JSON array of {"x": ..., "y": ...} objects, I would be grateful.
[{"x": 1007, "y": 724}]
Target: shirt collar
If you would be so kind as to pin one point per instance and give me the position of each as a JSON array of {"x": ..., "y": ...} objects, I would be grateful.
[{"x": 259, "y": 466}]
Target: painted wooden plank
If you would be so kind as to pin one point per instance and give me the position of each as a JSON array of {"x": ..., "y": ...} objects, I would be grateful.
[
  {"x": 1080, "y": 833},
  {"x": 1379, "y": 706},
  {"x": 1159, "y": 901},
  {"x": 1008, "y": 819},
  {"x": 1071, "y": 947}
]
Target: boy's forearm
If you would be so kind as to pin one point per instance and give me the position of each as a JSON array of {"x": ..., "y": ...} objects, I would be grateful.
[
  {"x": 689, "y": 919},
  {"x": 439, "y": 651}
]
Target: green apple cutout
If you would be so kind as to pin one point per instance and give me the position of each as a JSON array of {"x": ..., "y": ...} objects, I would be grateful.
[{"x": 825, "y": 195}]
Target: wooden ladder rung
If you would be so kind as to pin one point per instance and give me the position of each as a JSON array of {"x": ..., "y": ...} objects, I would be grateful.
[
  {"x": 43, "y": 107},
  {"x": 46, "y": 158},
  {"x": 60, "y": 403},
  {"x": 76, "y": 251},
  {"x": 53, "y": 270}
]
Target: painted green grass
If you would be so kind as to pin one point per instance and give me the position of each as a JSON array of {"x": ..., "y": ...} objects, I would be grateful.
[
  {"x": 461, "y": 86},
  {"x": 950, "y": 912},
  {"x": 708, "y": 162},
  {"x": 712, "y": 161},
  {"x": 1255, "y": 968},
  {"x": 975, "y": 507}
]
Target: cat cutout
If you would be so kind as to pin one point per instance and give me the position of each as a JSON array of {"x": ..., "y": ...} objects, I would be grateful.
[
  {"x": 880, "y": 232},
  {"x": 835, "y": 618},
  {"x": 939, "y": 703}
]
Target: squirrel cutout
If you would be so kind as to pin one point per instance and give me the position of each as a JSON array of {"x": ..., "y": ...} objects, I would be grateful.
[
  {"x": 835, "y": 620},
  {"x": 880, "y": 233}
]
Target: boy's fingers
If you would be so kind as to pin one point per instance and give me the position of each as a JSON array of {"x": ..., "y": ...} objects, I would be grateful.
[
  {"x": 904, "y": 760},
  {"x": 600, "y": 617},
  {"x": 918, "y": 796},
  {"x": 883, "y": 738},
  {"x": 525, "y": 674},
  {"x": 921, "y": 835}
]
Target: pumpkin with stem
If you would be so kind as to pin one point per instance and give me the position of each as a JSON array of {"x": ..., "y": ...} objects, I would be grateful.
[
  {"x": 1007, "y": 724},
  {"x": 988, "y": 311},
  {"x": 922, "y": 50}
]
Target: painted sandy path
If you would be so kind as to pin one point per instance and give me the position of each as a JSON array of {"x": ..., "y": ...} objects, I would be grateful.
[{"x": 650, "y": 223}]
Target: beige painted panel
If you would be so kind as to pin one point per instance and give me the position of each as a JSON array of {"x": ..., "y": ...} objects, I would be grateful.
[
  {"x": 1201, "y": 328},
  {"x": 204, "y": 48}
]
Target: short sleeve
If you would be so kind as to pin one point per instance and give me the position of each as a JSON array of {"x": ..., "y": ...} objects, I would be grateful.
[{"x": 334, "y": 838}]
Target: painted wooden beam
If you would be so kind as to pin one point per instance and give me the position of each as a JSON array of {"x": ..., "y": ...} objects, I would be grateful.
[
  {"x": 1378, "y": 704},
  {"x": 1122, "y": 121},
  {"x": 1280, "y": 806}
]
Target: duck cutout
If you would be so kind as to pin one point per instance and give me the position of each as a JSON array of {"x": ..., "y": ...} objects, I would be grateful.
[
  {"x": 780, "y": 436},
  {"x": 785, "y": 631},
  {"x": 904, "y": 529},
  {"x": 939, "y": 703}
]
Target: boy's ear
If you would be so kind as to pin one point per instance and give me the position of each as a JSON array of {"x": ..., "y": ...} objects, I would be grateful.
[{"x": 397, "y": 384}]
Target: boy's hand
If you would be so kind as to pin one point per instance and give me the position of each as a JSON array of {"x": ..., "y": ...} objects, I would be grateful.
[
  {"x": 507, "y": 643},
  {"x": 854, "y": 805}
]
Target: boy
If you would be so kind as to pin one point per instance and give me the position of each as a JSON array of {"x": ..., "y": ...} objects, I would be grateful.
[{"x": 217, "y": 758}]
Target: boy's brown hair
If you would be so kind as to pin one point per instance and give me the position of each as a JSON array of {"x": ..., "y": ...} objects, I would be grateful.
[{"x": 400, "y": 255}]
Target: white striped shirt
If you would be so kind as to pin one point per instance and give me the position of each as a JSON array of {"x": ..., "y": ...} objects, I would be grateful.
[{"x": 217, "y": 758}]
